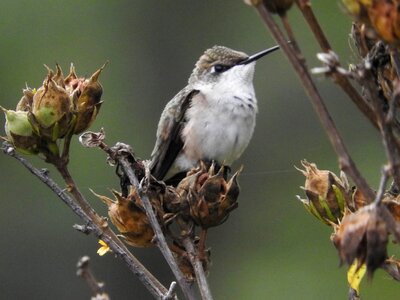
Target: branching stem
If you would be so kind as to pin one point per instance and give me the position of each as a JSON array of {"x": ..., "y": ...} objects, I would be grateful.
[
  {"x": 99, "y": 228},
  {"x": 345, "y": 161}
]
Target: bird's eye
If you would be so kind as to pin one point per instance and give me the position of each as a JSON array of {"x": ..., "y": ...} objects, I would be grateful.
[{"x": 220, "y": 68}]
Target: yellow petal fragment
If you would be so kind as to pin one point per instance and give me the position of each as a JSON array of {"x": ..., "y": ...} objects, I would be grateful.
[
  {"x": 103, "y": 249},
  {"x": 355, "y": 274}
]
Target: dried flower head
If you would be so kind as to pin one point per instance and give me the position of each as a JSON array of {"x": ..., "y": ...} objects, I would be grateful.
[
  {"x": 383, "y": 16},
  {"x": 56, "y": 110},
  {"x": 127, "y": 214},
  {"x": 362, "y": 235},
  {"x": 327, "y": 195},
  {"x": 51, "y": 110},
  {"x": 25, "y": 104},
  {"x": 210, "y": 196},
  {"x": 86, "y": 96}
]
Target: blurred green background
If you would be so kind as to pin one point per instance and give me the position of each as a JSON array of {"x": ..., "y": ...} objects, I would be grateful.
[{"x": 270, "y": 248}]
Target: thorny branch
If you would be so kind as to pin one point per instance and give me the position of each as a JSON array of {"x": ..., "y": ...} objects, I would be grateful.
[{"x": 102, "y": 231}]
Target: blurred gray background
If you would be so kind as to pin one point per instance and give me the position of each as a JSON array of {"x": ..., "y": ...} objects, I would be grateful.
[{"x": 270, "y": 248}]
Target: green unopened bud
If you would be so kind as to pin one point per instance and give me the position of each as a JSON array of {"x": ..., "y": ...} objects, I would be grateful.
[
  {"x": 19, "y": 131},
  {"x": 327, "y": 195},
  {"x": 87, "y": 102},
  {"x": 51, "y": 109}
]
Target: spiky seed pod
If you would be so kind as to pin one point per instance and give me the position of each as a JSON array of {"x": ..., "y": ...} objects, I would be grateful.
[
  {"x": 25, "y": 104},
  {"x": 362, "y": 235},
  {"x": 128, "y": 216},
  {"x": 327, "y": 195},
  {"x": 71, "y": 76},
  {"x": 59, "y": 76},
  {"x": 383, "y": 16},
  {"x": 51, "y": 109},
  {"x": 86, "y": 99},
  {"x": 19, "y": 131},
  {"x": 209, "y": 196}
]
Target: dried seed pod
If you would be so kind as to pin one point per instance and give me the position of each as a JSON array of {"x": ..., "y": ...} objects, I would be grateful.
[
  {"x": 359, "y": 199},
  {"x": 71, "y": 76},
  {"x": 209, "y": 196},
  {"x": 128, "y": 216},
  {"x": 19, "y": 131},
  {"x": 278, "y": 6},
  {"x": 59, "y": 77},
  {"x": 380, "y": 15},
  {"x": 358, "y": 8},
  {"x": 327, "y": 195},
  {"x": 86, "y": 99},
  {"x": 385, "y": 19},
  {"x": 362, "y": 235},
  {"x": 25, "y": 104},
  {"x": 51, "y": 110}
]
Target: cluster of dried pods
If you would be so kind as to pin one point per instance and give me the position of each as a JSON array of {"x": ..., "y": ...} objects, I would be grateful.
[{"x": 203, "y": 199}]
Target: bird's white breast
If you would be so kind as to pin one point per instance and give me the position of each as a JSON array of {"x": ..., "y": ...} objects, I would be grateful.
[{"x": 220, "y": 124}]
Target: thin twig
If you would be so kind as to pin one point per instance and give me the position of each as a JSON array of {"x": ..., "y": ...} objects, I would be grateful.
[
  {"x": 86, "y": 273},
  {"x": 345, "y": 161},
  {"x": 160, "y": 238},
  {"x": 171, "y": 291},
  {"x": 382, "y": 185},
  {"x": 101, "y": 231},
  {"x": 306, "y": 10},
  {"x": 338, "y": 78},
  {"x": 291, "y": 36},
  {"x": 198, "y": 268},
  {"x": 385, "y": 125}
]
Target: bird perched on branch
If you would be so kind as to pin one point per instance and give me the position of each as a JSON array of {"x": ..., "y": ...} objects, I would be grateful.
[{"x": 212, "y": 118}]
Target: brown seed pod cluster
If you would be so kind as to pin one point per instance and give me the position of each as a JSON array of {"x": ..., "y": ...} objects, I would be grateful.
[
  {"x": 203, "y": 199},
  {"x": 361, "y": 230},
  {"x": 59, "y": 107},
  {"x": 382, "y": 17}
]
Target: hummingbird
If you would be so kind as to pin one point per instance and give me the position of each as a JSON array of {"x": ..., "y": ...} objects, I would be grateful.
[{"x": 212, "y": 118}]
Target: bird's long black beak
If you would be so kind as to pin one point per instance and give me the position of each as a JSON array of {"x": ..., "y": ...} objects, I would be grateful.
[{"x": 257, "y": 55}]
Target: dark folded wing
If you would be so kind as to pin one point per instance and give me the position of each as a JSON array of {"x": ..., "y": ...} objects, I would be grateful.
[{"x": 169, "y": 142}]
